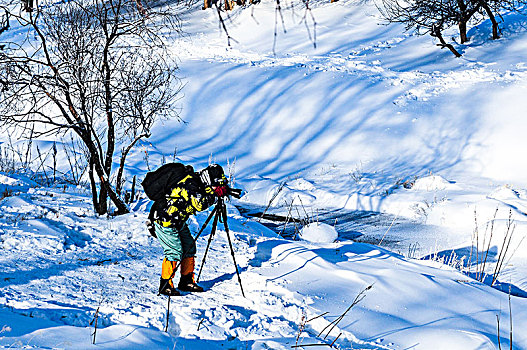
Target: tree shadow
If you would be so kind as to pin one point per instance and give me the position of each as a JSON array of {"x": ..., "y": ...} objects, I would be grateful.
[{"x": 274, "y": 125}]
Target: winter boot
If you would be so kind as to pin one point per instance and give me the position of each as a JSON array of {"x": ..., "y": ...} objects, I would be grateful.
[
  {"x": 187, "y": 283},
  {"x": 166, "y": 287}
]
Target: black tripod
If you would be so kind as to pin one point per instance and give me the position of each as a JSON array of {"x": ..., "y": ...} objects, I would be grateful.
[{"x": 220, "y": 214}]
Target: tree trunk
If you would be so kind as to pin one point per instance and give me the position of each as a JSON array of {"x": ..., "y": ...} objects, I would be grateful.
[
  {"x": 105, "y": 190},
  {"x": 437, "y": 34},
  {"x": 108, "y": 104},
  {"x": 463, "y": 31},
  {"x": 132, "y": 195},
  {"x": 495, "y": 27},
  {"x": 95, "y": 200},
  {"x": 462, "y": 24},
  {"x": 119, "y": 203},
  {"x": 103, "y": 200},
  {"x": 124, "y": 153}
]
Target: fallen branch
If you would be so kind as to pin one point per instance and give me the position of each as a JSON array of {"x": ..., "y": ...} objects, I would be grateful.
[
  {"x": 273, "y": 197},
  {"x": 357, "y": 300}
]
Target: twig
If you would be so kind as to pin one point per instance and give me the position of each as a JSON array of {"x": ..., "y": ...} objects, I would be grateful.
[
  {"x": 314, "y": 318},
  {"x": 488, "y": 244},
  {"x": 302, "y": 326},
  {"x": 299, "y": 216},
  {"x": 477, "y": 251},
  {"x": 41, "y": 164},
  {"x": 174, "y": 155},
  {"x": 393, "y": 221},
  {"x": 303, "y": 207},
  {"x": 514, "y": 252},
  {"x": 73, "y": 172},
  {"x": 273, "y": 197},
  {"x": 499, "y": 340},
  {"x": 94, "y": 321},
  {"x": 297, "y": 231},
  {"x": 357, "y": 300},
  {"x": 335, "y": 339},
  {"x": 54, "y": 149},
  {"x": 504, "y": 248},
  {"x": 287, "y": 219}
]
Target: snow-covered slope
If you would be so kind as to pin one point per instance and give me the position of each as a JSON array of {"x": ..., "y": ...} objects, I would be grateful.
[
  {"x": 368, "y": 95},
  {"x": 51, "y": 291},
  {"x": 359, "y": 118}
]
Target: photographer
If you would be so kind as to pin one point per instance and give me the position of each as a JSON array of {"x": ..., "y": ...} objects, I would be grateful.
[{"x": 196, "y": 191}]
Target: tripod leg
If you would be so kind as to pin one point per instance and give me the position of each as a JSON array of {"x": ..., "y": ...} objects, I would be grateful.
[
  {"x": 212, "y": 233},
  {"x": 206, "y": 223},
  {"x": 223, "y": 211}
]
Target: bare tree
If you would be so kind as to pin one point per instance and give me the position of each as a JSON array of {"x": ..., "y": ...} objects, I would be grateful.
[
  {"x": 434, "y": 16},
  {"x": 96, "y": 68},
  {"x": 489, "y": 8},
  {"x": 424, "y": 16},
  {"x": 464, "y": 11},
  {"x": 493, "y": 8}
]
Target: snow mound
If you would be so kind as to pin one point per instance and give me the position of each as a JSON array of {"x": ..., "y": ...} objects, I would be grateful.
[
  {"x": 8, "y": 180},
  {"x": 319, "y": 233},
  {"x": 17, "y": 203},
  {"x": 510, "y": 197},
  {"x": 433, "y": 183},
  {"x": 504, "y": 193},
  {"x": 280, "y": 194},
  {"x": 10, "y": 183},
  {"x": 301, "y": 185}
]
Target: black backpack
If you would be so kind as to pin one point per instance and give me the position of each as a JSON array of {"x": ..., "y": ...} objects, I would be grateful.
[{"x": 157, "y": 184}]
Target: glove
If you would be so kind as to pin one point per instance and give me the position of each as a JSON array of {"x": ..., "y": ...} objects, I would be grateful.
[
  {"x": 151, "y": 228},
  {"x": 220, "y": 191}
]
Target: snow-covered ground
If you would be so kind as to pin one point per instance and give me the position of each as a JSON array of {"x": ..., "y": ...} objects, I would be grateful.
[
  {"x": 375, "y": 132},
  {"x": 61, "y": 264}
]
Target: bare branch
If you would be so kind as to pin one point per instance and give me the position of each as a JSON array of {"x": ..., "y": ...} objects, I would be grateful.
[{"x": 98, "y": 68}]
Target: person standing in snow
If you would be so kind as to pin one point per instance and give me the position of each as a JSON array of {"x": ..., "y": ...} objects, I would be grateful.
[{"x": 197, "y": 191}]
